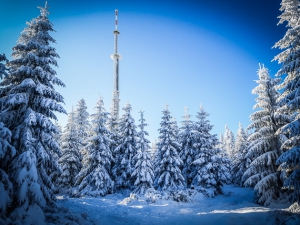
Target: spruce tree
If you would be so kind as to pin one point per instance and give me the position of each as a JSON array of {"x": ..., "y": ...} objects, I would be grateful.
[
  {"x": 240, "y": 163},
  {"x": 143, "y": 173},
  {"x": 125, "y": 150},
  {"x": 187, "y": 153},
  {"x": 265, "y": 144},
  {"x": 229, "y": 142},
  {"x": 94, "y": 179},
  {"x": 82, "y": 121},
  {"x": 70, "y": 160},
  {"x": 168, "y": 176},
  {"x": 30, "y": 101},
  {"x": 289, "y": 99},
  {"x": 209, "y": 171}
]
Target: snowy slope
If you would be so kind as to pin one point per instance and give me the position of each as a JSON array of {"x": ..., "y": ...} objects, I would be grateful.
[{"x": 234, "y": 207}]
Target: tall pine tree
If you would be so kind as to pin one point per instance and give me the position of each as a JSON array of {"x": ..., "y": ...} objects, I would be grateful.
[
  {"x": 125, "y": 150},
  {"x": 187, "y": 153},
  {"x": 70, "y": 160},
  {"x": 168, "y": 176},
  {"x": 94, "y": 179},
  {"x": 241, "y": 162},
  {"x": 209, "y": 172},
  {"x": 265, "y": 144},
  {"x": 289, "y": 161},
  {"x": 143, "y": 173},
  {"x": 30, "y": 101}
]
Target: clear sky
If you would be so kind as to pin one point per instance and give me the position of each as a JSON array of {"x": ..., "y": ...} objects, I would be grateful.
[{"x": 175, "y": 52}]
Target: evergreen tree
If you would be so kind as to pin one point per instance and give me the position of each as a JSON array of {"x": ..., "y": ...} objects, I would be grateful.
[
  {"x": 240, "y": 163},
  {"x": 125, "y": 150},
  {"x": 94, "y": 178},
  {"x": 82, "y": 121},
  {"x": 187, "y": 153},
  {"x": 209, "y": 172},
  {"x": 7, "y": 152},
  {"x": 264, "y": 147},
  {"x": 289, "y": 99},
  {"x": 143, "y": 173},
  {"x": 168, "y": 176},
  {"x": 29, "y": 103},
  {"x": 70, "y": 159},
  {"x": 229, "y": 142}
]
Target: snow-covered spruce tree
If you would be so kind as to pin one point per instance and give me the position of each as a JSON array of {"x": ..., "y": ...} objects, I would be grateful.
[
  {"x": 29, "y": 103},
  {"x": 209, "y": 171},
  {"x": 240, "y": 163},
  {"x": 229, "y": 142},
  {"x": 94, "y": 178},
  {"x": 7, "y": 152},
  {"x": 124, "y": 152},
  {"x": 168, "y": 176},
  {"x": 143, "y": 173},
  {"x": 289, "y": 161},
  {"x": 82, "y": 121},
  {"x": 187, "y": 153},
  {"x": 265, "y": 144},
  {"x": 70, "y": 160}
]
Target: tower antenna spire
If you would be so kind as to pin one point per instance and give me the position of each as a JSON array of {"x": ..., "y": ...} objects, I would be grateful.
[{"x": 116, "y": 57}]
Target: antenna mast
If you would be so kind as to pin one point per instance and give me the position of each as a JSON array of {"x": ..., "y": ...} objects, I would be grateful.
[{"x": 116, "y": 57}]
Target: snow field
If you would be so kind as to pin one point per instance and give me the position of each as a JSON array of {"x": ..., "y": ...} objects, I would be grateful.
[{"x": 234, "y": 207}]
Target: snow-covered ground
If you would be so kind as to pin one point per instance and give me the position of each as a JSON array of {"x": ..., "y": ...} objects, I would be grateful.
[{"x": 234, "y": 207}]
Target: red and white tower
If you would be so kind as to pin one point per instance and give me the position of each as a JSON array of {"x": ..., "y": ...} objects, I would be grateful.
[{"x": 116, "y": 57}]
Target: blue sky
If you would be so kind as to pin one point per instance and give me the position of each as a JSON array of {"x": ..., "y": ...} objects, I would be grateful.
[{"x": 180, "y": 53}]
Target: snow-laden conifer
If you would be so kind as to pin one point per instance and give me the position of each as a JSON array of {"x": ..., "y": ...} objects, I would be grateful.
[
  {"x": 126, "y": 149},
  {"x": 265, "y": 144},
  {"x": 94, "y": 179},
  {"x": 7, "y": 152},
  {"x": 82, "y": 121},
  {"x": 289, "y": 99},
  {"x": 187, "y": 153},
  {"x": 143, "y": 173},
  {"x": 209, "y": 172},
  {"x": 70, "y": 160},
  {"x": 168, "y": 176},
  {"x": 240, "y": 163},
  {"x": 229, "y": 142},
  {"x": 30, "y": 101}
]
